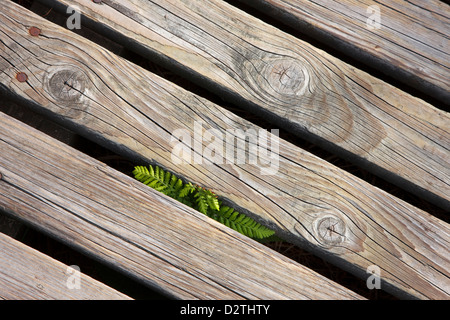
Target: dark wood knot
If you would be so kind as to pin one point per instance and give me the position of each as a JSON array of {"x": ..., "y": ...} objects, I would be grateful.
[
  {"x": 67, "y": 85},
  {"x": 276, "y": 77},
  {"x": 330, "y": 230},
  {"x": 287, "y": 76}
]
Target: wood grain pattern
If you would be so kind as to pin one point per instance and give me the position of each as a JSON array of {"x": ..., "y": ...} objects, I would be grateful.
[
  {"x": 410, "y": 44},
  {"x": 409, "y": 245},
  {"x": 27, "y": 274},
  {"x": 298, "y": 87},
  {"x": 131, "y": 227}
]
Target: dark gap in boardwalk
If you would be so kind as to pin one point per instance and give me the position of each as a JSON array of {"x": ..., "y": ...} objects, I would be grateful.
[
  {"x": 88, "y": 266},
  {"x": 24, "y": 3}
]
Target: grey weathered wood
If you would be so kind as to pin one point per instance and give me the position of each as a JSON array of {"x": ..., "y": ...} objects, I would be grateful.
[
  {"x": 288, "y": 81},
  {"x": 129, "y": 226},
  {"x": 27, "y": 274},
  {"x": 411, "y": 43},
  {"x": 111, "y": 100}
]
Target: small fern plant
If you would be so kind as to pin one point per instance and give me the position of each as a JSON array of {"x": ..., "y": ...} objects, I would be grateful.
[{"x": 201, "y": 199}]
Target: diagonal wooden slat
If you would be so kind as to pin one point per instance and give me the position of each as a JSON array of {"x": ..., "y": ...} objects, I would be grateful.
[
  {"x": 27, "y": 274},
  {"x": 308, "y": 201},
  {"x": 289, "y": 82},
  {"x": 407, "y": 40},
  {"x": 129, "y": 226}
]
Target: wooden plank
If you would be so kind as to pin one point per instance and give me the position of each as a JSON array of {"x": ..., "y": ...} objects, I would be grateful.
[
  {"x": 154, "y": 238},
  {"x": 410, "y": 43},
  {"x": 27, "y": 274},
  {"x": 298, "y": 87},
  {"x": 306, "y": 193}
]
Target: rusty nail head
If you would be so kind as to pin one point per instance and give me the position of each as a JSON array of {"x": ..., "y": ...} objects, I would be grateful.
[
  {"x": 21, "y": 76},
  {"x": 34, "y": 31}
]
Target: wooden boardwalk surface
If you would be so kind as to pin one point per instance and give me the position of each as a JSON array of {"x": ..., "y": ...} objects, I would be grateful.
[{"x": 308, "y": 201}]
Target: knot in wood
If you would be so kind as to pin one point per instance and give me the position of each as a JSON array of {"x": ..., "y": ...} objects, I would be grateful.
[
  {"x": 276, "y": 77},
  {"x": 330, "y": 230},
  {"x": 287, "y": 76},
  {"x": 67, "y": 85}
]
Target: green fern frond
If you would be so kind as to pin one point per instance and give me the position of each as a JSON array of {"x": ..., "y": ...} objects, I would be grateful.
[
  {"x": 241, "y": 223},
  {"x": 164, "y": 182},
  {"x": 201, "y": 199},
  {"x": 187, "y": 189},
  {"x": 206, "y": 199},
  {"x": 201, "y": 203}
]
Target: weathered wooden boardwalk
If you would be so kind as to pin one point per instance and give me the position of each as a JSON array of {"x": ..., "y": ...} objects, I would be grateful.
[{"x": 292, "y": 84}]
